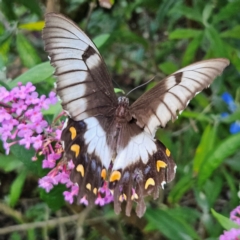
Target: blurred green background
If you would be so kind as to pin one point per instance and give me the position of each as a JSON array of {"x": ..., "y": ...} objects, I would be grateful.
[{"x": 138, "y": 39}]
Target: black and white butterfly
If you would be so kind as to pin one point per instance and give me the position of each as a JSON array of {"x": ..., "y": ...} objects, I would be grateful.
[{"x": 107, "y": 138}]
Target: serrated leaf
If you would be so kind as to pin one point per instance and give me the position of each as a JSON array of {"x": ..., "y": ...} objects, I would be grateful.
[
  {"x": 183, "y": 33},
  {"x": 35, "y": 75},
  {"x": 225, "y": 149},
  {"x": 16, "y": 188},
  {"x": 226, "y": 223},
  {"x": 27, "y": 52},
  {"x": 169, "y": 225},
  {"x": 205, "y": 146},
  {"x": 101, "y": 39},
  {"x": 32, "y": 26}
]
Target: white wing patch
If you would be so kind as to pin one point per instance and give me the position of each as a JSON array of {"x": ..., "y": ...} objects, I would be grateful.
[
  {"x": 93, "y": 61},
  {"x": 180, "y": 88},
  {"x": 96, "y": 139},
  {"x": 139, "y": 148}
]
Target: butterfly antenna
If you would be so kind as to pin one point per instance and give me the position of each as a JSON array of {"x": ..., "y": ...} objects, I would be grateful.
[
  {"x": 116, "y": 83},
  {"x": 140, "y": 86}
]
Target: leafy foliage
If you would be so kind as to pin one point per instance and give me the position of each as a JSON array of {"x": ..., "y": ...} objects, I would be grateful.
[{"x": 139, "y": 40}]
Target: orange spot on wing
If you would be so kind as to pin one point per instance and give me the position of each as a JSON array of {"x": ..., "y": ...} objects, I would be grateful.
[
  {"x": 149, "y": 182},
  {"x": 73, "y": 132},
  {"x": 168, "y": 153},
  {"x": 115, "y": 176},
  {"x": 75, "y": 148},
  {"x": 104, "y": 173},
  {"x": 80, "y": 169},
  {"x": 160, "y": 164}
]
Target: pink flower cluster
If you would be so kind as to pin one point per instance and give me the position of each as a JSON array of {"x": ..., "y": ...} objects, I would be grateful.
[
  {"x": 233, "y": 234},
  {"x": 61, "y": 175},
  {"x": 22, "y": 122}
]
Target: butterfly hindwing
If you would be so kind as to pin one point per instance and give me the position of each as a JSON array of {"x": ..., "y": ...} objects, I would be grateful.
[
  {"x": 85, "y": 143},
  {"x": 171, "y": 95}
]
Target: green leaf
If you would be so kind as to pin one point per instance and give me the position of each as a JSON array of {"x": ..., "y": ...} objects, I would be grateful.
[
  {"x": 227, "y": 12},
  {"x": 235, "y": 116},
  {"x": 205, "y": 146},
  {"x": 54, "y": 198},
  {"x": 183, "y": 33},
  {"x": 217, "y": 45},
  {"x": 196, "y": 115},
  {"x": 27, "y": 52},
  {"x": 232, "y": 33},
  {"x": 7, "y": 7},
  {"x": 35, "y": 75},
  {"x": 118, "y": 90},
  {"x": 9, "y": 162},
  {"x": 168, "y": 67},
  {"x": 53, "y": 110},
  {"x": 191, "y": 50},
  {"x": 207, "y": 13},
  {"x": 25, "y": 156},
  {"x": 169, "y": 225},
  {"x": 32, "y": 5},
  {"x": 226, "y": 223},
  {"x": 225, "y": 149},
  {"x": 32, "y": 26},
  {"x": 101, "y": 39},
  {"x": 189, "y": 12},
  {"x": 16, "y": 188},
  {"x": 180, "y": 188}
]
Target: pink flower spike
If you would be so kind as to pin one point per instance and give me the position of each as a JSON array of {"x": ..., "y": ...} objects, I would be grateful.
[
  {"x": 84, "y": 201},
  {"x": 4, "y": 115},
  {"x": 29, "y": 87},
  {"x": 3, "y": 93},
  {"x": 26, "y": 141},
  {"x": 235, "y": 215},
  {"x": 232, "y": 234},
  {"x": 37, "y": 142},
  {"x": 100, "y": 201},
  {"x": 19, "y": 106},
  {"x": 44, "y": 102},
  {"x": 53, "y": 98},
  {"x": 46, "y": 183},
  {"x": 24, "y": 130},
  {"x": 32, "y": 98},
  {"x": 34, "y": 114},
  {"x": 39, "y": 126}
]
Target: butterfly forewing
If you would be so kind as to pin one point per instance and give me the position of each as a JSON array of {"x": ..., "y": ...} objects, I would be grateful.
[
  {"x": 83, "y": 83},
  {"x": 104, "y": 133},
  {"x": 163, "y": 102}
]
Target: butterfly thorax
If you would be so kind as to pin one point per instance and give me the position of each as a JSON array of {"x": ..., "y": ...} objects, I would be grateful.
[{"x": 122, "y": 112}]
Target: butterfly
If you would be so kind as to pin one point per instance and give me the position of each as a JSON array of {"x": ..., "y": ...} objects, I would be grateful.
[{"x": 108, "y": 138}]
